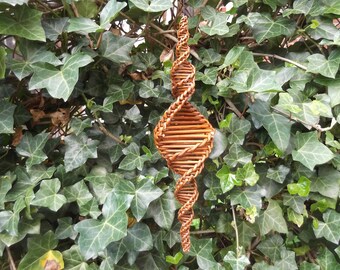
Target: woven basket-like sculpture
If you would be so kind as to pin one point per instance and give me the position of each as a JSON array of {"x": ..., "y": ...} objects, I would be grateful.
[{"x": 183, "y": 136}]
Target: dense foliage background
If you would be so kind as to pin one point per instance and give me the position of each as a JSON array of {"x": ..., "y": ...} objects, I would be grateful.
[{"x": 83, "y": 85}]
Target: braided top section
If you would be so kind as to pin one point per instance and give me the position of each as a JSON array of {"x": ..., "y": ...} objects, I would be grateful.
[{"x": 183, "y": 136}]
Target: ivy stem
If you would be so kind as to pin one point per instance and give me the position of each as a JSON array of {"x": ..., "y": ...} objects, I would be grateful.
[
  {"x": 282, "y": 59},
  {"x": 10, "y": 259},
  {"x": 236, "y": 232}
]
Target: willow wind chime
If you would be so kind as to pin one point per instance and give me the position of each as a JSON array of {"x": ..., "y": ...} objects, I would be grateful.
[{"x": 183, "y": 136}]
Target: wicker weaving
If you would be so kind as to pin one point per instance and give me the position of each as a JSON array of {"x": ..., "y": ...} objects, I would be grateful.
[{"x": 183, "y": 136}]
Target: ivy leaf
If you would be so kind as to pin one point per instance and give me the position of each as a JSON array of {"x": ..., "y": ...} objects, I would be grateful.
[
  {"x": 78, "y": 126},
  {"x": 317, "y": 63},
  {"x": 237, "y": 155},
  {"x": 133, "y": 114},
  {"x": 73, "y": 259},
  {"x": 326, "y": 259},
  {"x": 330, "y": 227},
  {"x": 202, "y": 249},
  {"x": 210, "y": 56},
  {"x": 110, "y": 12},
  {"x": 22, "y": 21},
  {"x": 247, "y": 198},
  {"x": 32, "y": 147},
  {"x": 95, "y": 234},
  {"x": 237, "y": 263},
  {"x": 116, "y": 48},
  {"x": 327, "y": 182},
  {"x": 272, "y": 247},
  {"x": 37, "y": 247},
  {"x": 6, "y": 116},
  {"x": 247, "y": 174},
  {"x": 278, "y": 174},
  {"x": 14, "y": 2},
  {"x": 272, "y": 219},
  {"x": 295, "y": 202},
  {"x": 3, "y": 54},
  {"x": 294, "y": 217},
  {"x": 152, "y": 5},
  {"x": 238, "y": 128},
  {"x": 265, "y": 27},
  {"x": 145, "y": 193},
  {"x": 309, "y": 266},
  {"x": 54, "y": 27},
  {"x": 278, "y": 126},
  {"x": 78, "y": 192},
  {"x": 287, "y": 261},
  {"x": 47, "y": 195},
  {"x": 163, "y": 210},
  {"x": 231, "y": 57},
  {"x": 82, "y": 25},
  {"x": 78, "y": 150},
  {"x": 310, "y": 152},
  {"x": 133, "y": 159},
  {"x": 218, "y": 25},
  {"x": 220, "y": 144},
  {"x": 227, "y": 179},
  {"x": 118, "y": 93},
  {"x": 6, "y": 181},
  {"x": 299, "y": 7},
  {"x": 65, "y": 229},
  {"x": 147, "y": 89},
  {"x": 59, "y": 82},
  {"x": 302, "y": 187},
  {"x": 138, "y": 238},
  {"x": 208, "y": 77}
]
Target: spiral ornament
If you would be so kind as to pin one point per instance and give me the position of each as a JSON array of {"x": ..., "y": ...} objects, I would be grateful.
[{"x": 183, "y": 136}]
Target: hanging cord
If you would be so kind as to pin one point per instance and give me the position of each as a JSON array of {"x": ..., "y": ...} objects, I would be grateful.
[{"x": 183, "y": 136}]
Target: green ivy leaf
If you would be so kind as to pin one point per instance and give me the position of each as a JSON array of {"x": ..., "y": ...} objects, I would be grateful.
[
  {"x": 278, "y": 174},
  {"x": 174, "y": 259},
  {"x": 115, "y": 48},
  {"x": 247, "y": 174},
  {"x": 299, "y": 7},
  {"x": 78, "y": 192},
  {"x": 317, "y": 63},
  {"x": 309, "y": 266},
  {"x": 247, "y": 198},
  {"x": 3, "y": 54},
  {"x": 310, "y": 152},
  {"x": 133, "y": 114},
  {"x": 138, "y": 238},
  {"x": 287, "y": 261},
  {"x": 265, "y": 27},
  {"x": 326, "y": 259},
  {"x": 295, "y": 202},
  {"x": 302, "y": 187},
  {"x": 59, "y": 82},
  {"x": 32, "y": 147},
  {"x": 147, "y": 89},
  {"x": 37, "y": 247},
  {"x": 22, "y": 21},
  {"x": 47, "y": 195},
  {"x": 145, "y": 193},
  {"x": 272, "y": 247},
  {"x": 78, "y": 126},
  {"x": 152, "y": 5},
  {"x": 65, "y": 229},
  {"x": 237, "y": 263},
  {"x": 82, "y": 25},
  {"x": 272, "y": 219},
  {"x": 277, "y": 125},
  {"x": 238, "y": 128},
  {"x": 110, "y": 12},
  {"x": 232, "y": 56},
  {"x": 227, "y": 179},
  {"x": 220, "y": 144},
  {"x": 202, "y": 249},
  {"x": 330, "y": 228},
  {"x": 237, "y": 155},
  {"x": 208, "y": 77},
  {"x": 78, "y": 150},
  {"x": 95, "y": 234},
  {"x": 14, "y": 2},
  {"x": 6, "y": 116},
  {"x": 133, "y": 158},
  {"x": 74, "y": 260},
  {"x": 327, "y": 182},
  {"x": 294, "y": 217},
  {"x": 54, "y": 27},
  {"x": 163, "y": 210}
]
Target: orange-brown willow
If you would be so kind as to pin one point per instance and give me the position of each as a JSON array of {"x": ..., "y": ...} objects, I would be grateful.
[{"x": 183, "y": 136}]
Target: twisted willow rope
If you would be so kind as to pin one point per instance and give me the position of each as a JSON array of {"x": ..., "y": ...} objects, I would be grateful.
[{"x": 183, "y": 136}]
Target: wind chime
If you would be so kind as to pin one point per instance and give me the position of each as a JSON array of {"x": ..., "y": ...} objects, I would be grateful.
[{"x": 183, "y": 136}]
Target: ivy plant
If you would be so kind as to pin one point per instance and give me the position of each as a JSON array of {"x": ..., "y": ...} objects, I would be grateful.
[{"x": 83, "y": 84}]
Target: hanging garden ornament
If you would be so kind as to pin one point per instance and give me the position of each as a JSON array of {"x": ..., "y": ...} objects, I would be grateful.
[{"x": 183, "y": 136}]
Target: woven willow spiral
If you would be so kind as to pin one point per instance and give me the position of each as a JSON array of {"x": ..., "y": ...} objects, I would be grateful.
[{"x": 183, "y": 136}]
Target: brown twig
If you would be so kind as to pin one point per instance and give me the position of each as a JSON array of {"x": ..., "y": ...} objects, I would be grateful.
[
  {"x": 233, "y": 108},
  {"x": 10, "y": 259},
  {"x": 282, "y": 59},
  {"x": 103, "y": 129}
]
